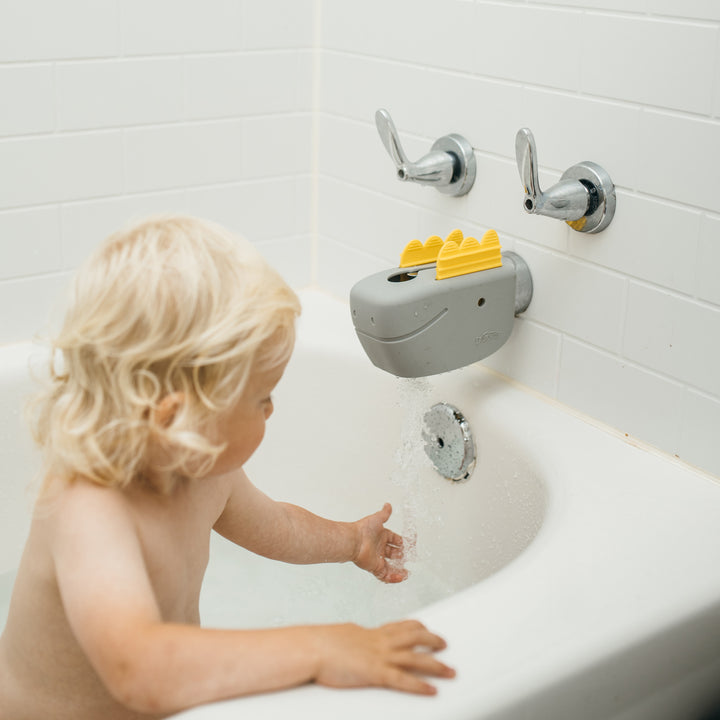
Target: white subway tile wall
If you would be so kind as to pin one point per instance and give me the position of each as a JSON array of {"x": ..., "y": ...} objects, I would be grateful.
[
  {"x": 117, "y": 110},
  {"x": 259, "y": 114},
  {"x": 624, "y": 325}
]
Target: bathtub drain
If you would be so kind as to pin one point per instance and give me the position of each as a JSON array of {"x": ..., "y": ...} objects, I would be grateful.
[{"x": 448, "y": 442}]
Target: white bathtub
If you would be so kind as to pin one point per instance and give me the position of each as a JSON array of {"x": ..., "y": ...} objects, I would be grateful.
[{"x": 575, "y": 575}]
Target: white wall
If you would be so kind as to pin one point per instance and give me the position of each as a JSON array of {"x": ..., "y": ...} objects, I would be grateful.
[
  {"x": 113, "y": 109},
  {"x": 259, "y": 114},
  {"x": 624, "y": 325}
]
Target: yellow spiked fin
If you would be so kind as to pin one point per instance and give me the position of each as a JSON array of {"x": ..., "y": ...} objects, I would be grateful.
[
  {"x": 415, "y": 253},
  {"x": 469, "y": 256},
  {"x": 456, "y": 236}
]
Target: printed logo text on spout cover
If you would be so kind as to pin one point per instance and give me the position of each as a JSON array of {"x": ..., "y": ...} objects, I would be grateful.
[{"x": 487, "y": 337}]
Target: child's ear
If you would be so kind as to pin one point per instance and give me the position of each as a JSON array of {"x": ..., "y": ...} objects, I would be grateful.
[{"x": 168, "y": 408}]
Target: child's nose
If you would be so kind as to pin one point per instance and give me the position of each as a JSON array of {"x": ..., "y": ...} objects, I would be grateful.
[{"x": 269, "y": 409}]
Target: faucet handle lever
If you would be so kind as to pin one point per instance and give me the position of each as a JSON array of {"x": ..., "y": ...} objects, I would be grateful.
[
  {"x": 584, "y": 197},
  {"x": 526, "y": 156},
  {"x": 449, "y": 166},
  {"x": 390, "y": 138}
]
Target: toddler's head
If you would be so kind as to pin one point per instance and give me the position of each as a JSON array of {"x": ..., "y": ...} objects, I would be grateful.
[{"x": 173, "y": 305}]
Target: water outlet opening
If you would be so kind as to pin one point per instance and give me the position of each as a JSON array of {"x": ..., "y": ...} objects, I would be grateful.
[{"x": 402, "y": 277}]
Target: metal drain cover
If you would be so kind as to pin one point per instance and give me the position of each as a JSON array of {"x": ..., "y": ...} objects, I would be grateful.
[{"x": 448, "y": 442}]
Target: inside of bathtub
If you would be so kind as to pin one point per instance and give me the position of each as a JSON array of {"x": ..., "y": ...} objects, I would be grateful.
[{"x": 447, "y": 547}]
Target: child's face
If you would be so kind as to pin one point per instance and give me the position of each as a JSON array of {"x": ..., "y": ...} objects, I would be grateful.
[{"x": 242, "y": 427}]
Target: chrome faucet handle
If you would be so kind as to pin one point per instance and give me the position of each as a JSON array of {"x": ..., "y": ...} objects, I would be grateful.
[
  {"x": 584, "y": 197},
  {"x": 390, "y": 138},
  {"x": 449, "y": 166}
]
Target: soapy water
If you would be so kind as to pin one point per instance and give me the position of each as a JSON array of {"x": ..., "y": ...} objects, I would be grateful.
[{"x": 242, "y": 590}]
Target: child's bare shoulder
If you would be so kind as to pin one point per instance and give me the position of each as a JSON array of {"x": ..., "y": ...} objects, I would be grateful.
[
  {"x": 83, "y": 518},
  {"x": 83, "y": 493},
  {"x": 81, "y": 502},
  {"x": 85, "y": 498}
]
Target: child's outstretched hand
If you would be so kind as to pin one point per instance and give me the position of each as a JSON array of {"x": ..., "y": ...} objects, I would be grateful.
[{"x": 377, "y": 545}]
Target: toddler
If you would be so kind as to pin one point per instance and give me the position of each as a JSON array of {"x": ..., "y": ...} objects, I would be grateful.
[{"x": 175, "y": 337}]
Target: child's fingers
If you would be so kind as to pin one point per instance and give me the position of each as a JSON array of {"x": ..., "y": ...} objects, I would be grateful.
[
  {"x": 396, "y": 679},
  {"x": 394, "y": 575},
  {"x": 387, "y": 573},
  {"x": 380, "y": 545},
  {"x": 412, "y": 633},
  {"x": 395, "y": 656},
  {"x": 421, "y": 662}
]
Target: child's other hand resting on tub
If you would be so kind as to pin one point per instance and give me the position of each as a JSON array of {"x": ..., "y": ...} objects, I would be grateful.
[{"x": 175, "y": 338}]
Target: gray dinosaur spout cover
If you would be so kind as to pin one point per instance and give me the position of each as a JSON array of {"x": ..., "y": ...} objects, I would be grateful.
[{"x": 447, "y": 305}]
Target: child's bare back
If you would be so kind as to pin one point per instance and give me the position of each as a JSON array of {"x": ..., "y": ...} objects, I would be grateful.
[
  {"x": 176, "y": 338},
  {"x": 44, "y": 672}
]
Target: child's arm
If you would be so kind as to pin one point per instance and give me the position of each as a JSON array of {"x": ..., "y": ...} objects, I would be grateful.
[
  {"x": 156, "y": 667},
  {"x": 292, "y": 534}
]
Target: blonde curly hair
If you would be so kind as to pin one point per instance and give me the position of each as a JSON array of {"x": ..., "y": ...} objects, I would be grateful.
[{"x": 171, "y": 305}]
